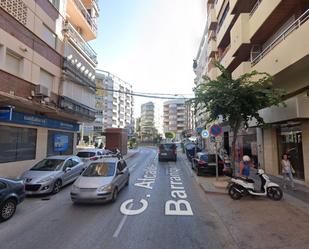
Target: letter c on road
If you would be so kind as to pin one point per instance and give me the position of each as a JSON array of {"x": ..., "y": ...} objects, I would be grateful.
[{"x": 128, "y": 211}]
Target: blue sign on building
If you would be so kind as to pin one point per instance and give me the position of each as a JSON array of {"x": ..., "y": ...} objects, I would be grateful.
[
  {"x": 6, "y": 113},
  {"x": 61, "y": 142},
  {"x": 37, "y": 120},
  {"x": 199, "y": 129}
]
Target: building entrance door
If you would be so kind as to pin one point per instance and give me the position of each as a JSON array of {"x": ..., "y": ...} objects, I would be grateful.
[{"x": 290, "y": 142}]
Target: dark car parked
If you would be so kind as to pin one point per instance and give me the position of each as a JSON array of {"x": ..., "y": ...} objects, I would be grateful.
[
  {"x": 11, "y": 194},
  {"x": 167, "y": 151},
  {"x": 205, "y": 163}
]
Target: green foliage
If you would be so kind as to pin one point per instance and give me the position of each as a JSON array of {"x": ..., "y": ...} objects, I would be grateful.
[
  {"x": 237, "y": 101},
  {"x": 170, "y": 135}
]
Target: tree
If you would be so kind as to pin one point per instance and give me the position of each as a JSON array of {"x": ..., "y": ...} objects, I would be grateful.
[
  {"x": 236, "y": 101},
  {"x": 169, "y": 135}
]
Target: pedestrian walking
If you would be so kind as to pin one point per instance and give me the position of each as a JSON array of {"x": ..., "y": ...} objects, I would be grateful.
[{"x": 287, "y": 171}]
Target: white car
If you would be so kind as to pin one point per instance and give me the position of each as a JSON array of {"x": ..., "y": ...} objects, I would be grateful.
[
  {"x": 101, "y": 181},
  {"x": 89, "y": 155}
]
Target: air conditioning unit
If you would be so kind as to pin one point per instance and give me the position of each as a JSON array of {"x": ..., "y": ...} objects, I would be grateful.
[{"x": 42, "y": 91}]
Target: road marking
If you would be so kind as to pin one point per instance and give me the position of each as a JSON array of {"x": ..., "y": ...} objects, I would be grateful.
[
  {"x": 123, "y": 220},
  {"x": 132, "y": 167}
]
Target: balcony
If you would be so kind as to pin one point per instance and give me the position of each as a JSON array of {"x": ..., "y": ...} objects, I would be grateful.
[
  {"x": 223, "y": 29},
  {"x": 80, "y": 44},
  {"x": 260, "y": 14},
  {"x": 296, "y": 108},
  {"x": 277, "y": 55},
  {"x": 212, "y": 19},
  {"x": 240, "y": 34},
  {"x": 80, "y": 17},
  {"x": 84, "y": 113},
  {"x": 212, "y": 48},
  {"x": 227, "y": 59},
  {"x": 244, "y": 6},
  {"x": 213, "y": 73},
  {"x": 243, "y": 68},
  {"x": 76, "y": 75}
]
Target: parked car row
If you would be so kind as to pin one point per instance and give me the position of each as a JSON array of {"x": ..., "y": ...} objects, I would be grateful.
[{"x": 97, "y": 177}]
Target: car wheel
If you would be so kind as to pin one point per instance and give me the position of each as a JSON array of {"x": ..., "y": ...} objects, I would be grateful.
[
  {"x": 57, "y": 186},
  {"x": 115, "y": 195},
  {"x": 128, "y": 181},
  {"x": 8, "y": 209}
]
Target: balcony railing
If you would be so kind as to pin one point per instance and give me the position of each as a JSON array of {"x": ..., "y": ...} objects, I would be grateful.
[
  {"x": 87, "y": 16},
  {"x": 81, "y": 43},
  {"x": 256, "y": 5},
  {"x": 76, "y": 74},
  {"x": 281, "y": 37}
]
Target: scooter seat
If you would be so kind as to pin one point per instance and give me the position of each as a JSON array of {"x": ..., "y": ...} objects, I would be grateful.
[{"x": 244, "y": 179}]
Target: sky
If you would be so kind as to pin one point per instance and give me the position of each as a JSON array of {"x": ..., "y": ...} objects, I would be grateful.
[{"x": 150, "y": 43}]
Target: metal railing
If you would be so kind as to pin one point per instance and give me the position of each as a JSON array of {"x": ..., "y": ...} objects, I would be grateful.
[
  {"x": 281, "y": 37},
  {"x": 256, "y": 5},
  {"x": 81, "y": 43},
  {"x": 87, "y": 16}
]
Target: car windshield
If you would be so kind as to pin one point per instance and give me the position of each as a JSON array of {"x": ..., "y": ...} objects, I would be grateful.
[
  {"x": 100, "y": 169},
  {"x": 85, "y": 154},
  {"x": 167, "y": 146},
  {"x": 48, "y": 165}
]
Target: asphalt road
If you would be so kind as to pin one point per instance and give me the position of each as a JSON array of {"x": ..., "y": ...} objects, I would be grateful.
[{"x": 154, "y": 219}]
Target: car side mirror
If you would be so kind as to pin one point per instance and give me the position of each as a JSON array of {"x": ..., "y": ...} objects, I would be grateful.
[
  {"x": 67, "y": 169},
  {"x": 119, "y": 173}
]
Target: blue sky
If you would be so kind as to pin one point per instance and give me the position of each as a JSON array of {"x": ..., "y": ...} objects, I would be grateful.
[{"x": 150, "y": 43}]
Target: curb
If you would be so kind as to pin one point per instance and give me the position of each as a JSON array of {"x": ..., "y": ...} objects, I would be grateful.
[{"x": 215, "y": 190}]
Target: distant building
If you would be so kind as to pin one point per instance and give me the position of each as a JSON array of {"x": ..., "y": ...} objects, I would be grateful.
[
  {"x": 174, "y": 117},
  {"x": 147, "y": 123},
  {"x": 114, "y": 106}
]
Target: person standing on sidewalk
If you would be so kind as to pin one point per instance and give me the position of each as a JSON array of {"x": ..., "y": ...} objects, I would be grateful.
[{"x": 287, "y": 171}]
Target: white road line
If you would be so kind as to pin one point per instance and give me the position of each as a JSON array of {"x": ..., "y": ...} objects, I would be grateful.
[
  {"x": 123, "y": 220},
  {"x": 132, "y": 167}
]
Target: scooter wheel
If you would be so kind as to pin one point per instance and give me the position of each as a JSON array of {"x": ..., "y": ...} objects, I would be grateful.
[
  {"x": 274, "y": 193},
  {"x": 234, "y": 193}
]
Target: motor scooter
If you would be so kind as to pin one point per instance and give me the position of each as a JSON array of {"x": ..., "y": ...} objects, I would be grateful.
[{"x": 240, "y": 187}]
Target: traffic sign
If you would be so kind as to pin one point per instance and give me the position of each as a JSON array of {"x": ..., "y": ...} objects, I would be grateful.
[
  {"x": 205, "y": 134},
  {"x": 199, "y": 129},
  {"x": 215, "y": 130}
]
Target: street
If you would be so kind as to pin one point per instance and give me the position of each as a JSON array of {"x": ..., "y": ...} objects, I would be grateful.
[{"x": 54, "y": 222}]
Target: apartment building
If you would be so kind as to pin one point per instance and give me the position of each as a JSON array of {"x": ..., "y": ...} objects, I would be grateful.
[
  {"x": 114, "y": 105},
  {"x": 47, "y": 71},
  {"x": 147, "y": 123},
  {"x": 174, "y": 117},
  {"x": 267, "y": 36}
]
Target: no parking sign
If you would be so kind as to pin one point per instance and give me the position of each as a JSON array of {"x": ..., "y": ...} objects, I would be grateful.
[{"x": 215, "y": 130}]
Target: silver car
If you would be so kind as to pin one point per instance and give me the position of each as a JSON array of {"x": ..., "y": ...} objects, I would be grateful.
[
  {"x": 50, "y": 174},
  {"x": 101, "y": 181}
]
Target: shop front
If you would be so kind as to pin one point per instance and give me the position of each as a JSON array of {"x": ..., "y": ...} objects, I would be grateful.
[
  {"x": 26, "y": 138},
  {"x": 290, "y": 142}
]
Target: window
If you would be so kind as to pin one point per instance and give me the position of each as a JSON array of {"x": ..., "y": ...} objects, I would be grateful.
[
  {"x": 17, "y": 144},
  {"x": 2, "y": 185},
  {"x": 226, "y": 10},
  {"x": 13, "y": 62},
  {"x": 49, "y": 37},
  {"x": 51, "y": 145},
  {"x": 46, "y": 79}
]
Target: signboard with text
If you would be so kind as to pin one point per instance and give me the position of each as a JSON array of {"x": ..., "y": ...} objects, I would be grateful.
[{"x": 61, "y": 142}]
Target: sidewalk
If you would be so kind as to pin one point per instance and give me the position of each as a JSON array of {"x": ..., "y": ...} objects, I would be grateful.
[
  {"x": 131, "y": 153},
  {"x": 298, "y": 197}
]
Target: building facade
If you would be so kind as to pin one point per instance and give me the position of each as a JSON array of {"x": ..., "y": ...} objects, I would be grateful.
[
  {"x": 267, "y": 36},
  {"x": 147, "y": 123},
  {"x": 114, "y": 104},
  {"x": 174, "y": 117},
  {"x": 47, "y": 85}
]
